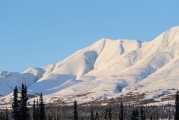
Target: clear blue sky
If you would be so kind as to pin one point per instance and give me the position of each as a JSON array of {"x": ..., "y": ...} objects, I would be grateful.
[{"x": 41, "y": 32}]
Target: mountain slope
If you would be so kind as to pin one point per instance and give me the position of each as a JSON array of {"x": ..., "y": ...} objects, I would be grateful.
[{"x": 108, "y": 68}]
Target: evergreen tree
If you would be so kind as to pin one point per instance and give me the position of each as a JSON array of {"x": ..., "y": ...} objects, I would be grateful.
[
  {"x": 41, "y": 108},
  {"x": 92, "y": 115},
  {"x": 110, "y": 114},
  {"x": 97, "y": 116},
  {"x": 37, "y": 111},
  {"x": 135, "y": 115},
  {"x": 105, "y": 114},
  {"x": 1, "y": 114},
  {"x": 169, "y": 112},
  {"x": 6, "y": 115},
  {"x": 34, "y": 112},
  {"x": 15, "y": 105},
  {"x": 75, "y": 113},
  {"x": 24, "y": 112},
  {"x": 142, "y": 113},
  {"x": 121, "y": 111},
  {"x": 177, "y": 106}
]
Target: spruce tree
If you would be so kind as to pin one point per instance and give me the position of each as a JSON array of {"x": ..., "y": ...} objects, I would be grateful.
[
  {"x": 6, "y": 114},
  {"x": 135, "y": 115},
  {"x": 142, "y": 113},
  {"x": 24, "y": 112},
  {"x": 121, "y": 111},
  {"x": 37, "y": 111},
  {"x": 34, "y": 111},
  {"x": 177, "y": 106},
  {"x": 110, "y": 113},
  {"x": 1, "y": 114},
  {"x": 15, "y": 105},
  {"x": 106, "y": 113},
  {"x": 169, "y": 112},
  {"x": 41, "y": 108},
  {"x": 92, "y": 115},
  {"x": 97, "y": 116},
  {"x": 75, "y": 113}
]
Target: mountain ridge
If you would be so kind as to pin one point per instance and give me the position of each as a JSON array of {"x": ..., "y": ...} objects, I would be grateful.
[{"x": 107, "y": 68}]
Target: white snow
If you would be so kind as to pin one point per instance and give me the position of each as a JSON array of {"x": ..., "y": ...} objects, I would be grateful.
[{"x": 108, "y": 68}]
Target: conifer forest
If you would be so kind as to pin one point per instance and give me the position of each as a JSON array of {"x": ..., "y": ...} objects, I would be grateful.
[{"x": 22, "y": 110}]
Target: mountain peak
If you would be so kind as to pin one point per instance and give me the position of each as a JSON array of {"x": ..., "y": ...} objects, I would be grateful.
[
  {"x": 175, "y": 28},
  {"x": 107, "y": 68}
]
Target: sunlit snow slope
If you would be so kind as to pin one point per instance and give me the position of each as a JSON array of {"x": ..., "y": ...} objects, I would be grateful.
[{"x": 108, "y": 68}]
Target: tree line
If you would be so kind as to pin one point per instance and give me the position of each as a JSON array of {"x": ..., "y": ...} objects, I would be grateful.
[{"x": 22, "y": 110}]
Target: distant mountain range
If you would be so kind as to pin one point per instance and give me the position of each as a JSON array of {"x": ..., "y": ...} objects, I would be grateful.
[{"x": 107, "y": 68}]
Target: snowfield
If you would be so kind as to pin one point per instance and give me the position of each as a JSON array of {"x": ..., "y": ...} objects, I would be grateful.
[{"x": 106, "y": 69}]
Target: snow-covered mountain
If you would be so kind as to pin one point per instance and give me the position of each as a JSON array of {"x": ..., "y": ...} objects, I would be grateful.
[{"x": 108, "y": 68}]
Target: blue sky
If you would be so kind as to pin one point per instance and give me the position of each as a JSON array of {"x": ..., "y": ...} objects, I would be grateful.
[{"x": 41, "y": 32}]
